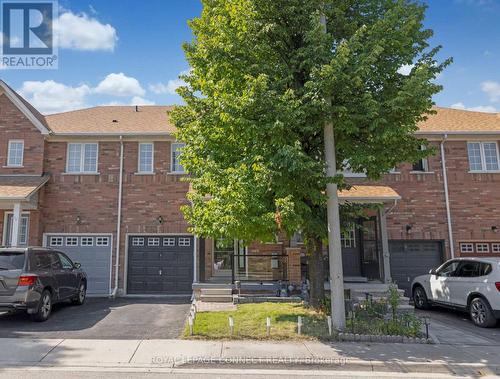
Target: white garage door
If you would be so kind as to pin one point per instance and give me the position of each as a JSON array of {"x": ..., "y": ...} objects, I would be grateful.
[{"x": 93, "y": 251}]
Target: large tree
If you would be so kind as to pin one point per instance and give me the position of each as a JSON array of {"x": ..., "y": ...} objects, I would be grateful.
[{"x": 264, "y": 79}]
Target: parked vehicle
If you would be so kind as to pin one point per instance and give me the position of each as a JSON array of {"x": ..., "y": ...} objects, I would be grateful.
[
  {"x": 33, "y": 279},
  {"x": 469, "y": 284}
]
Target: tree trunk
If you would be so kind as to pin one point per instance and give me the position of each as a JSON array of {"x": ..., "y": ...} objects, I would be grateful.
[{"x": 316, "y": 269}]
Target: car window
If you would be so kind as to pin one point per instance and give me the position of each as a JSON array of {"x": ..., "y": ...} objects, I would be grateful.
[
  {"x": 468, "y": 269},
  {"x": 54, "y": 260},
  {"x": 66, "y": 263},
  {"x": 485, "y": 269},
  {"x": 448, "y": 269},
  {"x": 12, "y": 260},
  {"x": 41, "y": 261}
]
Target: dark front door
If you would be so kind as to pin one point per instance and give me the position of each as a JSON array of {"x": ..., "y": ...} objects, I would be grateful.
[
  {"x": 370, "y": 263},
  {"x": 160, "y": 264},
  {"x": 351, "y": 252}
]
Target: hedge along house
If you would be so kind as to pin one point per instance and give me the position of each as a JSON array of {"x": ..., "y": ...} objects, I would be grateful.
[{"x": 105, "y": 185}]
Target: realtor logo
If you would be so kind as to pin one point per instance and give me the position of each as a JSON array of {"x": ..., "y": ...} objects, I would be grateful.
[{"x": 28, "y": 37}]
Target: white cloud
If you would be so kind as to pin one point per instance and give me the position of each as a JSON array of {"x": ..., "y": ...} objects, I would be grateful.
[
  {"x": 136, "y": 100},
  {"x": 170, "y": 87},
  {"x": 120, "y": 85},
  {"x": 406, "y": 69},
  {"x": 52, "y": 97},
  {"x": 479, "y": 108},
  {"x": 81, "y": 32},
  {"x": 492, "y": 89}
]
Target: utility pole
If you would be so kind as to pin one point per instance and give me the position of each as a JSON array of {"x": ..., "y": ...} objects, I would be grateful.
[{"x": 334, "y": 244}]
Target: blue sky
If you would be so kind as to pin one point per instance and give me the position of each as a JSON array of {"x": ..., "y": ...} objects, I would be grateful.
[{"x": 129, "y": 52}]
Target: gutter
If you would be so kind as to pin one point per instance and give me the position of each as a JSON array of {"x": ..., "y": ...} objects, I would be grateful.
[
  {"x": 447, "y": 197},
  {"x": 119, "y": 220}
]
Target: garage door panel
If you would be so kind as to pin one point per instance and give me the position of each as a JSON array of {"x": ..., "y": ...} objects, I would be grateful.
[
  {"x": 94, "y": 257},
  {"x": 174, "y": 261}
]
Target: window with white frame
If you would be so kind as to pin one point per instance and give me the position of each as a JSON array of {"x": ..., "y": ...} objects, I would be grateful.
[
  {"x": 82, "y": 158},
  {"x": 175, "y": 158},
  {"x": 56, "y": 241},
  {"x": 495, "y": 247},
  {"x": 102, "y": 241},
  {"x": 482, "y": 248},
  {"x": 466, "y": 247},
  {"x": 348, "y": 237},
  {"x": 422, "y": 165},
  {"x": 15, "y": 153},
  {"x": 87, "y": 241},
  {"x": 184, "y": 241},
  {"x": 146, "y": 152},
  {"x": 23, "y": 229},
  {"x": 137, "y": 241},
  {"x": 154, "y": 241},
  {"x": 71, "y": 241},
  {"x": 169, "y": 241},
  {"x": 483, "y": 156}
]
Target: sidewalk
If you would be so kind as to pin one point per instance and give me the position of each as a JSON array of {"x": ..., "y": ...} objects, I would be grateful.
[{"x": 156, "y": 354}]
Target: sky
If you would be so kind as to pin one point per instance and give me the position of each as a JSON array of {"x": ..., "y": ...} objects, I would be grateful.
[{"x": 129, "y": 52}]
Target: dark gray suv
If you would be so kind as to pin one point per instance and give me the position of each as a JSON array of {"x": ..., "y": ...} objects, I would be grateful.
[{"x": 34, "y": 278}]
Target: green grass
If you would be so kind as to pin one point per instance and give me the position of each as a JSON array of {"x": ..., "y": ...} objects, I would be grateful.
[{"x": 250, "y": 322}]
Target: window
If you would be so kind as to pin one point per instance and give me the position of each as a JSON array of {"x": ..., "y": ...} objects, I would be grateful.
[
  {"x": 137, "y": 241},
  {"x": 66, "y": 263},
  {"x": 176, "y": 153},
  {"x": 82, "y": 158},
  {"x": 495, "y": 247},
  {"x": 483, "y": 156},
  {"x": 448, "y": 269},
  {"x": 154, "y": 241},
  {"x": 184, "y": 241},
  {"x": 348, "y": 237},
  {"x": 485, "y": 269},
  {"x": 15, "y": 154},
  {"x": 71, "y": 241},
  {"x": 87, "y": 241},
  {"x": 23, "y": 229},
  {"x": 56, "y": 241},
  {"x": 169, "y": 241},
  {"x": 146, "y": 151},
  {"x": 421, "y": 165},
  {"x": 482, "y": 248},
  {"x": 466, "y": 248},
  {"x": 102, "y": 241},
  {"x": 468, "y": 269},
  {"x": 42, "y": 261}
]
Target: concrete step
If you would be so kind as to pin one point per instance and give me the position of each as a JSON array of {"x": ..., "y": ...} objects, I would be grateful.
[
  {"x": 217, "y": 291},
  {"x": 216, "y": 298}
]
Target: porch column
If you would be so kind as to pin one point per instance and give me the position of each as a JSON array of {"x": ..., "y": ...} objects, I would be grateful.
[
  {"x": 16, "y": 224},
  {"x": 386, "y": 261}
]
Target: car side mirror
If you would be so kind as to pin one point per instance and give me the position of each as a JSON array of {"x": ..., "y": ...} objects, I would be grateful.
[
  {"x": 433, "y": 271},
  {"x": 77, "y": 264}
]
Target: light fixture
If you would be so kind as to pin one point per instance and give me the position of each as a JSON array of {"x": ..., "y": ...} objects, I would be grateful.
[
  {"x": 408, "y": 228},
  {"x": 160, "y": 220},
  {"x": 494, "y": 229},
  {"x": 78, "y": 220}
]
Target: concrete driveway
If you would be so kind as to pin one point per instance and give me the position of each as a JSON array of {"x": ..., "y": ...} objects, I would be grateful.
[
  {"x": 455, "y": 328},
  {"x": 99, "y": 318}
]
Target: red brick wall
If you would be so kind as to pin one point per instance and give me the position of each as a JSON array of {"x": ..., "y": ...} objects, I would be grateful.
[{"x": 15, "y": 126}]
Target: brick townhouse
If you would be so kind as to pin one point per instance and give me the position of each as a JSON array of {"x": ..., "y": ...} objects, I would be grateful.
[{"x": 105, "y": 185}]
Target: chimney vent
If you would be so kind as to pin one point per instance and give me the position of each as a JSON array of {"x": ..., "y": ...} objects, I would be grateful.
[
  {"x": 137, "y": 108},
  {"x": 115, "y": 120}
]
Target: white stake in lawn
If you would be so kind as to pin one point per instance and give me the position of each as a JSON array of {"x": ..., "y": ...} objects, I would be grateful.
[
  {"x": 299, "y": 325},
  {"x": 268, "y": 325},
  {"x": 231, "y": 325}
]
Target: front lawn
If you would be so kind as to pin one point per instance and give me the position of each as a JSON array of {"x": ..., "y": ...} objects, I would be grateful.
[{"x": 250, "y": 322}]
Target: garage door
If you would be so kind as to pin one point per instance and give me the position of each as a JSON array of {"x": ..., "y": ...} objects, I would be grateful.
[
  {"x": 412, "y": 258},
  {"x": 93, "y": 251},
  {"x": 160, "y": 264}
]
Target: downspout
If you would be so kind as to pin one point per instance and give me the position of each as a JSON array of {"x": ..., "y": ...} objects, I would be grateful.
[
  {"x": 119, "y": 220},
  {"x": 447, "y": 197}
]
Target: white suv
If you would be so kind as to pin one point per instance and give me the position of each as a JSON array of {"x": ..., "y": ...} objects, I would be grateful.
[{"x": 470, "y": 284}]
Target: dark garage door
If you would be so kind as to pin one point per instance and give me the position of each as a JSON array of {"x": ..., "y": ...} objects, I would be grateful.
[
  {"x": 159, "y": 264},
  {"x": 412, "y": 258}
]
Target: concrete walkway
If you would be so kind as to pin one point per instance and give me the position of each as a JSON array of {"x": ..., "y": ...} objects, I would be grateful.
[{"x": 155, "y": 354}]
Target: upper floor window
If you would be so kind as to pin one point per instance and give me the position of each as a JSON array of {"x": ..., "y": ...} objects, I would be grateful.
[
  {"x": 421, "y": 165},
  {"x": 483, "y": 156},
  {"x": 176, "y": 153},
  {"x": 82, "y": 158},
  {"x": 146, "y": 151},
  {"x": 15, "y": 154}
]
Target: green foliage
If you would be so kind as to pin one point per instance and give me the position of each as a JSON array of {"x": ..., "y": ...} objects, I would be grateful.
[
  {"x": 393, "y": 299},
  {"x": 256, "y": 106}
]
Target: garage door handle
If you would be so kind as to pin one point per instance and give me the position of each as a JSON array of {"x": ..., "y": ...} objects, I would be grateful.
[{"x": 159, "y": 272}]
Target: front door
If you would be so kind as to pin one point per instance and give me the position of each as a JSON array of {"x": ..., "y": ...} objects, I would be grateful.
[
  {"x": 370, "y": 249},
  {"x": 351, "y": 252},
  {"x": 23, "y": 230}
]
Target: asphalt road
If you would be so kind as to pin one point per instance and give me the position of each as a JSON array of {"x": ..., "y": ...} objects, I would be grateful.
[{"x": 102, "y": 318}]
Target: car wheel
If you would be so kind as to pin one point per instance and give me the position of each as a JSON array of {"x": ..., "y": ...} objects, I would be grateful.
[
  {"x": 80, "y": 297},
  {"x": 44, "y": 307},
  {"x": 481, "y": 313},
  {"x": 420, "y": 298}
]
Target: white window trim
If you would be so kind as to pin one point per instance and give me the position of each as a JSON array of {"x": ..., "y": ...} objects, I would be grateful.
[
  {"x": 483, "y": 157},
  {"x": 56, "y": 238},
  {"x": 139, "y": 171},
  {"x": 172, "y": 150},
  {"x": 72, "y": 239},
  {"x": 5, "y": 221},
  {"x": 102, "y": 239},
  {"x": 495, "y": 247},
  {"x": 484, "y": 244},
  {"x": 82, "y": 158},
  {"x": 186, "y": 241},
  {"x": 170, "y": 243},
  {"x": 87, "y": 238},
  {"x": 469, "y": 244},
  {"x": 9, "y": 152}
]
